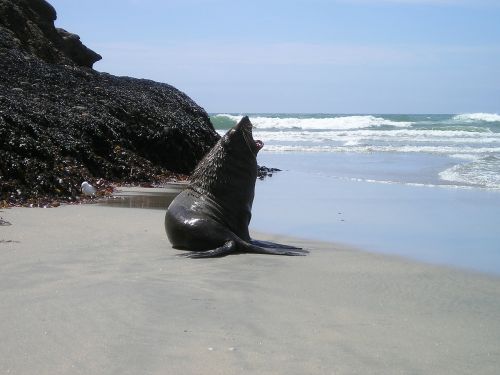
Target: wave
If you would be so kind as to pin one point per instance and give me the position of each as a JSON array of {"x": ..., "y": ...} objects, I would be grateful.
[
  {"x": 418, "y": 184},
  {"x": 312, "y": 123},
  {"x": 471, "y": 117},
  {"x": 381, "y": 135},
  {"x": 442, "y": 150},
  {"x": 470, "y": 141},
  {"x": 479, "y": 172},
  {"x": 224, "y": 121}
]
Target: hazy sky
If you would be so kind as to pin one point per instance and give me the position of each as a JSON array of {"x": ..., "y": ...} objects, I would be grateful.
[{"x": 337, "y": 56}]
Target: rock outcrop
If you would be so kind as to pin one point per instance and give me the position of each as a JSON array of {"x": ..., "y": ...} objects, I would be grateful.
[
  {"x": 62, "y": 122},
  {"x": 30, "y": 24}
]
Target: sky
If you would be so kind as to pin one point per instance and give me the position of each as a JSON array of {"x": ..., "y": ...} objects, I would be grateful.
[{"x": 299, "y": 56}]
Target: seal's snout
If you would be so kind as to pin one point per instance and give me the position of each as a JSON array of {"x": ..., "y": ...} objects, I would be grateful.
[{"x": 259, "y": 144}]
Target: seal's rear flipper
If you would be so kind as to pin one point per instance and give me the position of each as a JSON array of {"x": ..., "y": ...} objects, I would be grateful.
[
  {"x": 232, "y": 246},
  {"x": 287, "y": 252},
  {"x": 273, "y": 245},
  {"x": 228, "y": 248},
  {"x": 277, "y": 250}
]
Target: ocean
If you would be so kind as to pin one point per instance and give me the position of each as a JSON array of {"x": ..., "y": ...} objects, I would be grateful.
[
  {"x": 426, "y": 187},
  {"x": 466, "y": 147}
]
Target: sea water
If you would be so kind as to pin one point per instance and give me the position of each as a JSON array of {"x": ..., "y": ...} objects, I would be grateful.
[{"x": 421, "y": 186}]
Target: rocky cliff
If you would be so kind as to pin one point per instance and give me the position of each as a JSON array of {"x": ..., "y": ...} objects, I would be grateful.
[{"x": 61, "y": 122}]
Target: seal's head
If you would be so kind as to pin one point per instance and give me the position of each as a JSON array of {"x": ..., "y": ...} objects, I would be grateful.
[{"x": 240, "y": 137}]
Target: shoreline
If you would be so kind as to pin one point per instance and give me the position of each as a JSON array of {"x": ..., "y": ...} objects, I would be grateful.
[
  {"x": 95, "y": 289},
  {"x": 266, "y": 206}
]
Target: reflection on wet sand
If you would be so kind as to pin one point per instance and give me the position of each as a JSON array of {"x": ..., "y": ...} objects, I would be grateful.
[{"x": 137, "y": 197}]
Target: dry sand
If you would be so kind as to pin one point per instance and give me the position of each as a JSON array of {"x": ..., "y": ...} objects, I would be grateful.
[{"x": 98, "y": 290}]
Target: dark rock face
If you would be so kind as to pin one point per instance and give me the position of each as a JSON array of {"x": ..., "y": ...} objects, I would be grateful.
[
  {"x": 31, "y": 24},
  {"x": 263, "y": 172},
  {"x": 62, "y": 122}
]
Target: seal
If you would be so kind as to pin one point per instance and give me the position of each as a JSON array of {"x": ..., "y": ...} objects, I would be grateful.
[{"x": 210, "y": 217}]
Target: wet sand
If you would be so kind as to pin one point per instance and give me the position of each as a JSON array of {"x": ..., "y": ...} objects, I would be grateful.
[
  {"x": 98, "y": 290},
  {"x": 448, "y": 226}
]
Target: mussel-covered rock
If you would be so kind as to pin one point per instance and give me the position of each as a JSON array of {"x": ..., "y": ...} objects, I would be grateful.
[{"x": 62, "y": 122}]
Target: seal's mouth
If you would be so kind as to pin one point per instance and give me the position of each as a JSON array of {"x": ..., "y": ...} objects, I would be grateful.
[{"x": 259, "y": 144}]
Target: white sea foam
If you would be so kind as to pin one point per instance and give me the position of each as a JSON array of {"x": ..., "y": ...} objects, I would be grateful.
[
  {"x": 418, "y": 184},
  {"x": 442, "y": 150},
  {"x": 460, "y": 143},
  {"x": 471, "y": 117},
  {"x": 311, "y": 123},
  {"x": 465, "y": 156},
  {"x": 352, "y": 142},
  {"x": 380, "y": 135},
  {"x": 425, "y": 133},
  {"x": 480, "y": 172}
]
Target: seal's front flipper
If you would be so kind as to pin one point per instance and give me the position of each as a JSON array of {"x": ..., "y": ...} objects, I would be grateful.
[
  {"x": 228, "y": 248},
  {"x": 273, "y": 245}
]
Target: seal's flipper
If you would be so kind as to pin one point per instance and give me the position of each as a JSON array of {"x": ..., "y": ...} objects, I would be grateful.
[
  {"x": 234, "y": 246},
  {"x": 273, "y": 245},
  {"x": 289, "y": 251},
  {"x": 228, "y": 248}
]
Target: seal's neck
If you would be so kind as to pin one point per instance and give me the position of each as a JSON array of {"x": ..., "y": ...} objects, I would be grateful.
[{"x": 221, "y": 173}]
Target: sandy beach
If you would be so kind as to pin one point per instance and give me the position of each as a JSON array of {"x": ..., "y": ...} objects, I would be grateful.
[{"x": 98, "y": 290}]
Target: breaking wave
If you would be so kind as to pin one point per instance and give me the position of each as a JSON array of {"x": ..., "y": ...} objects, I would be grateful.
[
  {"x": 309, "y": 123},
  {"x": 482, "y": 172},
  {"x": 471, "y": 117}
]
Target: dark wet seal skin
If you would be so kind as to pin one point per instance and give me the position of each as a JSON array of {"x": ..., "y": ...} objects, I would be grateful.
[{"x": 210, "y": 217}]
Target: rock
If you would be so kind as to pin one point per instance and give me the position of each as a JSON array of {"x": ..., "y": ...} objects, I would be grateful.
[
  {"x": 31, "y": 24},
  {"x": 263, "y": 172},
  {"x": 76, "y": 51},
  {"x": 69, "y": 123}
]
